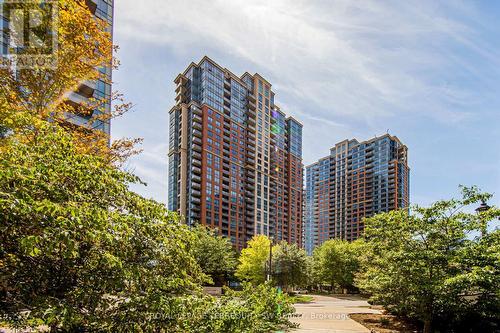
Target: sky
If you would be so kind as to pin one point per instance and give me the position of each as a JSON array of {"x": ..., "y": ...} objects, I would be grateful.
[{"x": 425, "y": 71}]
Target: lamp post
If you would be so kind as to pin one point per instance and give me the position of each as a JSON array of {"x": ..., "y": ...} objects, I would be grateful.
[
  {"x": 483, "y": 208},
  {"x": 270, "y": 265}
]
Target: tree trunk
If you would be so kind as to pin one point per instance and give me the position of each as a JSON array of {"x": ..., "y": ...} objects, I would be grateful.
[{"x": 427, "y": 326}]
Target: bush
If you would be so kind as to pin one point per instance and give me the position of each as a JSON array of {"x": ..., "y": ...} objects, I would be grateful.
[
  {"x": 267, "y": 308},
  {"x": 258, "y": 309}
]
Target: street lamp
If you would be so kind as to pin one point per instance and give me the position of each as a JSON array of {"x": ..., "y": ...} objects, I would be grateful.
[
  {"x": 270, "y": 258},
  {"x": 483, "y": 208}
]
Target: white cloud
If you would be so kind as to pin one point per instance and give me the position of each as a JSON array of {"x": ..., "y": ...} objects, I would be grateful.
[
  {"x": 354, "y": 59},
  {"x": 151, "y": 167},
  {"x": 344, "y": 68}
]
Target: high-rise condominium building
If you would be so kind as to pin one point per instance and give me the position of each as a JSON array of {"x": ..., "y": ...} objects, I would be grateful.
[
  {"x": 357, "y": 180},
  {"x": 98, "y": 90},
  {"x": 235, "y": 159}
]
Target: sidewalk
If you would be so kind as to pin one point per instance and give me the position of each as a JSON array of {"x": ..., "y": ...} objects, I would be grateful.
[{"x": 330, "y": 315}]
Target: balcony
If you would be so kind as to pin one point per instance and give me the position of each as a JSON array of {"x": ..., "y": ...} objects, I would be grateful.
[
  {"x": 77, "y": 98},
  {"x": 196, "y": 161},
  {"x": 197, "y": 133},
  {"x": 197, "y": 111},
  {"x": 195, "y": 208},
  {"x": 251, "y": 120},
  {"x": 251, "y": 106},
  {"x": 196, "y": 170},
  {"x": 197, "y": 125},
  {"x": 196, "y": 117},
  {"x": 92, "y": 5},
  {"x": 87, "y": 88},
  {"x": 79, "y": 103},
  {"x": 196, "y": 147},
  {"x": 181, "y": 92},
  {"x": 196, "y": 156}
]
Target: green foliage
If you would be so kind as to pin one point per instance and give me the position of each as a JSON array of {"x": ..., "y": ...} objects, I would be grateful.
[
  {"x": 336, "y": 262},
  {"x": 289, "y": 265},
  {"x": 252, "y": 260},
  {"x": 256, "y": 309},
  {"x": 214, "y": 254},
  {"x": 301, "y": 299},
  {"x": 78, "y": 248},
  {"x": 433, "y": 265}
]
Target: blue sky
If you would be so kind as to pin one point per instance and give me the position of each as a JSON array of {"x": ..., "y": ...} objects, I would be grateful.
[{"x": 427, "y": 71}]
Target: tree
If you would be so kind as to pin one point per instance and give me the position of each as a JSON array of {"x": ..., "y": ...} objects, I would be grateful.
[
  {"x": 252, "y": 260},
  {"x": 78, "y": 248},
  {"x": 84, "y": 47},
  {"x": 479, "y": 281},
  {"x": 214, "y": 254},
  {"x": 336, "y": 262},
  {"x": 434, "y": 263},
  {"x": 289, "y": 265}
]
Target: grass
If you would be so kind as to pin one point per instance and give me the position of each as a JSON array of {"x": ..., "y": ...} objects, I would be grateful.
[{"x": 301, "y": 299}]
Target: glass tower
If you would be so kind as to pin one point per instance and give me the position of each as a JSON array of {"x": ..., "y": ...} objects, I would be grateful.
[
  {"x": 235, "y": 159},
  {"x": 356, "y": 180}
]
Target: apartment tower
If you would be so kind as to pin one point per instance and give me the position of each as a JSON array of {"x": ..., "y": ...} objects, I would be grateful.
[
  {"x": 357, "y": 180},
  {"x": 235, "y": 159}
]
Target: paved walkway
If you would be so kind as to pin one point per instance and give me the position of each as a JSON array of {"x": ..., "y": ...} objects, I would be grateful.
[{"x": 330, "y": 315}]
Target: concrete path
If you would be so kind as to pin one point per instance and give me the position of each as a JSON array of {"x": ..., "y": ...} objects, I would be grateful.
[{"x": 330, "y": 315}]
